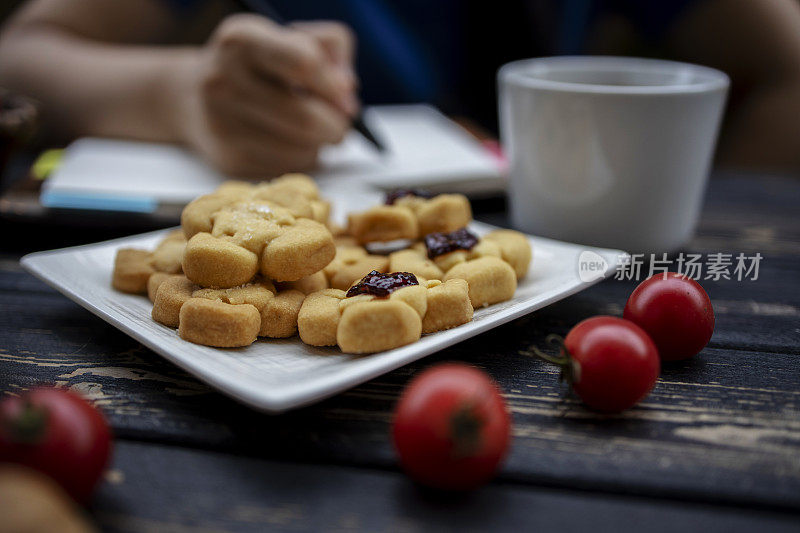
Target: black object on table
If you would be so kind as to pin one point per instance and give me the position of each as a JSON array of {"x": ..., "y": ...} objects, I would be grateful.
[{"x": 715, "y": 447}]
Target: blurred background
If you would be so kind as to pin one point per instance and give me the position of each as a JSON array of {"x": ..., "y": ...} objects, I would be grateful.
[
  {"x": 447, "y": 52},
  {"x": 198, "y": 74}
]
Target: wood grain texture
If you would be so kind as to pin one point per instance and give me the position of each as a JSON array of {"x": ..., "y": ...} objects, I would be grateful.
[
  {"x": 723, "y": 428},
  {"x": 221, "y": 492}
]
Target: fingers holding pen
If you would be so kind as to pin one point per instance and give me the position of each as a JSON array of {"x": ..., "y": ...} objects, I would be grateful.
[
  {"x": 260, "y": 99},
  {"x": 295, "y": 58},
  {"x": 300, "y": 119}
]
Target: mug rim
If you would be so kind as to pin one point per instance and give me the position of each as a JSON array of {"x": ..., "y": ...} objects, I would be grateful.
[{"x": 518, "y": 73}]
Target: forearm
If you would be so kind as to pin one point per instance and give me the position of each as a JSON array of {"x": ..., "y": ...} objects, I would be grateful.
[
  {"x": 233, "y": 99},
  {"x": 96, "y": 88}
]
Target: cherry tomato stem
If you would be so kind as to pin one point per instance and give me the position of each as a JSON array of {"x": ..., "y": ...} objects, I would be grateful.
[
  {"x": 28, "y": 425},
  {"x": 562, "y": 360},
  {"x": 610, "y": 363}
]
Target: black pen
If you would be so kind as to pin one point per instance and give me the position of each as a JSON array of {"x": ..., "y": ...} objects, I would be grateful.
[{"x": 262, "y": 7}]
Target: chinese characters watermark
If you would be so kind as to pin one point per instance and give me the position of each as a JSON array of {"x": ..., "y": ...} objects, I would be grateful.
[{"x": 712, "y": 266}]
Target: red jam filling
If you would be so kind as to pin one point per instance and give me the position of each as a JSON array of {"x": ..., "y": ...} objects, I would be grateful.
[
  {"x": 442, "y": 243},
  {"x": 382, "y": 285}
]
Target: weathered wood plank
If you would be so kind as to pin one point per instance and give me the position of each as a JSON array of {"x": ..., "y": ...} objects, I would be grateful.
[{"x": 219, "y": 492}]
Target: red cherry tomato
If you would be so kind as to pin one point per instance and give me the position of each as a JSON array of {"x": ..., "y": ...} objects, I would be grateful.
[
  {"x": 675, "y": 311},
  {"x": 58, "y": 433},
  {"x": 451, "y": 427},
  {"x": 614, "y": 364}
]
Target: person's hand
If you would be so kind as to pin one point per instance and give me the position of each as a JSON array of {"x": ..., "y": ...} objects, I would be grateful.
[{"x": 260, "y": 99}]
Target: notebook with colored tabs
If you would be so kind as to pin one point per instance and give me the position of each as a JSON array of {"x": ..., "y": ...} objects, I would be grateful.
[{"x": 425, "y": 149}]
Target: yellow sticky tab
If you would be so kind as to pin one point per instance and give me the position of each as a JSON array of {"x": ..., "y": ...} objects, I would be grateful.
[{"x": 47, "y": 162}]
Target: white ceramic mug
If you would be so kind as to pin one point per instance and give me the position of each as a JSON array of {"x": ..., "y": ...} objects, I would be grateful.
[{"x": 609, "y": 151}]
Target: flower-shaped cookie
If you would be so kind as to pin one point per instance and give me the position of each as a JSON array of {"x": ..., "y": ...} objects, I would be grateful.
[
  {"x": 226, "y": 317},
  {"x": 133, "y": 268},
  {"x": 491, "y": 265},
  {"x": 313, "y": 283},
  {"x": 295, "y": 192},
  {"x": 352, "y": 262},
  {"x": 256, "y": 236},
  {"x": 410, "y": 215},
  {"x": 382, "y": 312}
]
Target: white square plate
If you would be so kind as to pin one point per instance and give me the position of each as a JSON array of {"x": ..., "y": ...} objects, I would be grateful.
[{"x": 278, "y": 375}]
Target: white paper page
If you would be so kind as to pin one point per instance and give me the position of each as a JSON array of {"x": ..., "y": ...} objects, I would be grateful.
[
  {"x": 132, "y": 169},
  {"x": 425, "y": 150}
]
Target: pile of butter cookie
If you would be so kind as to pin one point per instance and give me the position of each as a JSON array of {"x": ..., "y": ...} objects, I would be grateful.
[{"x": 264, "y": 260}]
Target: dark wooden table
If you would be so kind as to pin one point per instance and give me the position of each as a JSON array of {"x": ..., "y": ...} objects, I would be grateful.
[{"x": 715, "y": 447}]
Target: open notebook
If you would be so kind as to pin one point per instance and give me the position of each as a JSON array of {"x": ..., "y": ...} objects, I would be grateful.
[{"x": 425, "y": 149}]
